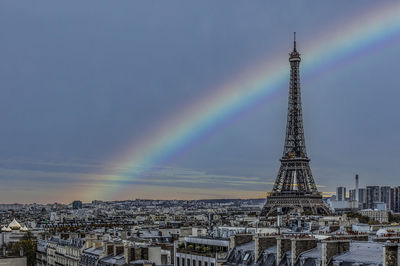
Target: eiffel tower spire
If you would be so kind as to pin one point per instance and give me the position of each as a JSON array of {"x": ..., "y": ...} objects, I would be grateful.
[
  {"x": 294, "y": 41},
  {"x": 294, "y": 187},
  {"x": 294, "y": 142}
]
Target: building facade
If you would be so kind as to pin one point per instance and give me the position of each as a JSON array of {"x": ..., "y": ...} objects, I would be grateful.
[
  {"x": 385, "y": 196},
  {"x": 395, "y": 199},
  {"x": 340, "y": 193},
  {"x": 372, "y": 196},
  {"x": 199, "y": 251},
  {"x": 362, "y": 198}
]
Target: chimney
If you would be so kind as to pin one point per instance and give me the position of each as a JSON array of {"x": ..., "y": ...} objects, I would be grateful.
[
  {"x": 123, "y": 235},
  {"x": 261, "y": 243},
  {"x": 283, "y": 245},
  {"x": 108, "y": 248},
  {"x": 95, "y": 244},
  {"x": 390, "y": 254},
  {"x": 118, "y": 249},
  {"x": 128, "y": 253},
  {"x": 357, "y": 180},
  {"x": 239, "y": 239},
  {"x": 332, "y": 248},
  {"x": 300, "y": 245}
]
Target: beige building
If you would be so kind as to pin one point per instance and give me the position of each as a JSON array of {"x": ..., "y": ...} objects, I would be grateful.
[
  {"x": 377, "y": 215},
  {"x": 201, "y": 251},
  {"x": 60, "y": 252},
  {"x": 13, "y": 261}
]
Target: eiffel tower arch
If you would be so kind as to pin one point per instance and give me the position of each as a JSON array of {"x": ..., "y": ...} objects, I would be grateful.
[{"x": 294, "y": 188}]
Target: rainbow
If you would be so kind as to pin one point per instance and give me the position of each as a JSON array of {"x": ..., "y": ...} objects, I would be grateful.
[{"x": 258, "y": 83}]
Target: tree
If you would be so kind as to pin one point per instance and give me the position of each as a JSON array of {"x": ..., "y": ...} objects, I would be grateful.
[
  {"x": 28, "y": 246},
  {"x": 394, "y": 218},
  {"x": 28, "y": 236},
  {"x": 361, "y": 218}
]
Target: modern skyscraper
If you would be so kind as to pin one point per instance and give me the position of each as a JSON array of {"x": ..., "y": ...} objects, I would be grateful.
[
  {"x": 356, "y": 189},
  {"x": 395, "y": 199},
  {"x": 362, "y": 198},
  {"x": 372, "y": 196},
  {"x": 385, "y": 196},
  {"x": 340, "y": 193},
  {"x": 294, "y": 187},
  {"x": 352, "y": 194}
]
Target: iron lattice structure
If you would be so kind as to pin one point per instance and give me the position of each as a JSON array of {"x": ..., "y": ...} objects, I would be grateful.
[{"x": 294, "y": 188}]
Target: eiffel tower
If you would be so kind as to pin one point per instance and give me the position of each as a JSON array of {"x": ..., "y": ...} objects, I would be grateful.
[{"x": 294, "y": 188}]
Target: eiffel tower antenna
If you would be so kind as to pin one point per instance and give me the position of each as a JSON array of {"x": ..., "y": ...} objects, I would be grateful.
[
  {"x": 294, "y": 188},
  {"x": 294, "y": 41}
]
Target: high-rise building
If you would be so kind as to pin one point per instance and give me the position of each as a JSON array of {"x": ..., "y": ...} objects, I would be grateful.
[
  {"x": 294, "y": 187},
  {"x": 77, "y": 204},
  {"x": 395, "y": 199},
  {"x": 341, "y": 193},
  {"x": 385, "y": 196},
  {"x": 362, "y": 198},
  {"x": 352, "y": 194},
  {"x": 372, "y": 196},
  {"x": 356, "y": 189}
]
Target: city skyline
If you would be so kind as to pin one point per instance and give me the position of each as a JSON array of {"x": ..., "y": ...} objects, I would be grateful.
[{"x": 111, "y": 103}]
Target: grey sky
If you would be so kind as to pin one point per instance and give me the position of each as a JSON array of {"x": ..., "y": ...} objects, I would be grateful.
[{"x": 81, "y": 79}]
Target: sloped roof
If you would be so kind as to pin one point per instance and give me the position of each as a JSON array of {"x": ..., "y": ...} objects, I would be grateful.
[{"x": 14, "y": 225}]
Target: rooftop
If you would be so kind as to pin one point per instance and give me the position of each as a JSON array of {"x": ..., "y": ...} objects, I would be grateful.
[{"x": 365, "y": 252}]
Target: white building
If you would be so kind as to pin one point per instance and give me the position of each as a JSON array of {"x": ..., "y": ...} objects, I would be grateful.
[
  {"x": 381, "y": 216},
  {"x": 201, "y": 251},
  {"x": 12, "y": 233}
]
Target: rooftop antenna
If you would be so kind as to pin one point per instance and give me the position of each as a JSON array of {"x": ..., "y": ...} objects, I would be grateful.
[{"x": 294, "y": 35}]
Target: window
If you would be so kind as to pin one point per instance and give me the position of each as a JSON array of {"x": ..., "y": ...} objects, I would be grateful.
[{"x": 188, "y": 262}]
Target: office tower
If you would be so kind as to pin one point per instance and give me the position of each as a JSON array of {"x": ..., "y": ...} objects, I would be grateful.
[
  {"x": 395, "y": 199},
  {"x": 372, "y": 196},
  {"x": 352, "y": 194},
  {"x": 385, "y": 196},
  {"x": 341, "y": 193},
  {"x": 362, "y": 198}
]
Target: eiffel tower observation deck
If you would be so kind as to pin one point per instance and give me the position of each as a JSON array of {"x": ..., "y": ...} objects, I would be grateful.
[{"x": 294, "y": 188}]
